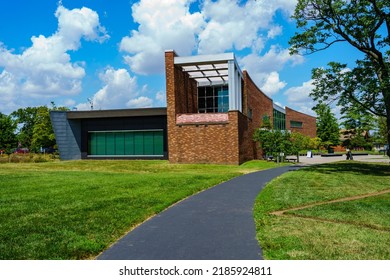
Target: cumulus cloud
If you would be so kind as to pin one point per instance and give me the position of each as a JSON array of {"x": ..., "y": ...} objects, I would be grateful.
[
  {"x": 219, "y": 26},
  {"x": 298, "y": 97},
  {"x": 264, "y": 68},
  {"x": 163, "y": 25},
  {"x": 140, "y": 102},
  {"x": 272, "y": 83},
  {"x": 161, "y": 99},
  {"x": 45, "y": 69},
  {"x": 119, "y": 90},
  {"x": 233, "y": 25}
]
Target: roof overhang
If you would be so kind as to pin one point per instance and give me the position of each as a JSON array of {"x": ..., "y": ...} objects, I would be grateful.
[
  {"x": 144, "y": 112},
  {"x": 207, "y": 69}
]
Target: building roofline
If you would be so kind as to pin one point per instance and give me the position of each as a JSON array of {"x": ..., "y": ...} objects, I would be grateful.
[
  {"x": 278, "y": 108},
  {"x": 117, "y": 113},
  {"x": 288, "y": 108},
  {"x": 203, "y": 59}
]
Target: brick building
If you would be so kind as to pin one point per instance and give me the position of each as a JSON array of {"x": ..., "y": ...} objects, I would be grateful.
[{"x": 213, "y": 109}]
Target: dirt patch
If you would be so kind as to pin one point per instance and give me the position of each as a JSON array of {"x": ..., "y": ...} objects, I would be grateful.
[{"x": 281, "y": 212}]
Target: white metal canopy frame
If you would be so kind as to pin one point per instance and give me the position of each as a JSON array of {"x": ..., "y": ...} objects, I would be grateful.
[{"x": 218, "y": 69}]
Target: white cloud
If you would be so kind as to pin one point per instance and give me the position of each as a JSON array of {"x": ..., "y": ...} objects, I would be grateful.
[
  {"x": 264, "y": 68},
  {"x": 275, "y": 31},
  {"x": 161, "y": 99},
  {"x": 233, "y": 25},
  {"x": 272, "y": 83},
  {"x": 163, "y": 24},
  {"x": 299, "y": 99},
  {"x": 45, "y": 69},
  {"x": 140, "y": 102},
  {"x": 118, "y": 88},
  {"x": 219, "y": 26}
]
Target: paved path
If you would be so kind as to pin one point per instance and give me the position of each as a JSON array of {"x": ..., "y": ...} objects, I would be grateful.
[
  {"x": 319, "y": 159},
  {"x": 216, "y": 224}
]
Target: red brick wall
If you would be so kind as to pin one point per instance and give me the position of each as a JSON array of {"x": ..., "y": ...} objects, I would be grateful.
[
  {"x": 309, "y": 122},
  {"x": 261, "y": 105},
  {"x": 229, "y": 142},
  {"x": 211, "y": 142}
]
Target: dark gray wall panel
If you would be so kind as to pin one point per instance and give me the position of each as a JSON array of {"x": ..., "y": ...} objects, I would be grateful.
[{"x": 68, "y": 135}]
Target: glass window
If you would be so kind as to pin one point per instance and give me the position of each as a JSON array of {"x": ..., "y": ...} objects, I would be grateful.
[
  {"x": 296, "y": 124},
  {"x": 213, "y": 99},
  {"x": 279, "y": 120}
]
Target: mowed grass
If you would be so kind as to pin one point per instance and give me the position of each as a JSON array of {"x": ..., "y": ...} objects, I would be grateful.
[
  {"x": 76, "y": 209},
  {"x": 356, "y": 229}
]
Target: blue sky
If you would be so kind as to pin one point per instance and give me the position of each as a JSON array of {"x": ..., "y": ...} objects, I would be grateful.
[{"x": 111, "y": 52}]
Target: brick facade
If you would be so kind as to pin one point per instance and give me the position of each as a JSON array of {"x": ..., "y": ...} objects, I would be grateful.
[
  {"x": 219, "y": 137},
  {"x": 308, "y": 122}
]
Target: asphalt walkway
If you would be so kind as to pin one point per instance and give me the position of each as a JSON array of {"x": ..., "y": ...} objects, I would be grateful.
[{"x": 216, "y": 224}]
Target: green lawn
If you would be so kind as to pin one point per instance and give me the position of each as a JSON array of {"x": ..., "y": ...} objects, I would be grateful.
[
  {"x": 356, "y": 229},
  {"x": 76, "y": 209}
]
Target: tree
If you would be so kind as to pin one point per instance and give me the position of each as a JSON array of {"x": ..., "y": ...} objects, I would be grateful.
[
  {"x": 273, "y": 142},
  {"x": 380, "y": 132},
  {"x": 357, "y": 124},
  {"x": 355, "y": 119},
  {"x": 25, "y": 119},
  {"x": 43, "y": 134},
  {"x": 327, "y": 126},
  {"x": 364, "y": 25},
  {"x": 7, "y": 133},
  {"x": 299, "y": 142},
  {"x": 315, "y": 143}
]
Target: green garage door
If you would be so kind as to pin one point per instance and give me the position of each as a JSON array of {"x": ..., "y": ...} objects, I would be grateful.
[{"x": 126, "y": 143}]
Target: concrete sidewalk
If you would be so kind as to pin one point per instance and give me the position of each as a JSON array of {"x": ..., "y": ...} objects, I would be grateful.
[
  {"x": 216, "y": 224},
  {"x": 318, "y": 159}
]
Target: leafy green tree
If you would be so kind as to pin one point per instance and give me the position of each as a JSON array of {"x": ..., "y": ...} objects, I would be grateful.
[
  {"x": 273, "y": 142},
  {"x": 380, "y": 131},
  {"x": 327, "y": 126},
  {"x": 362, "y": 24},
  {"x": 299, "y": 142},
  {"x": 315, "y": 143},
  {"x": 357, "y": 119},
  {"x": 25, "y": 119},
  {"x": 357, "y": 123},
  {"x": 7, "y": 133},
  {"x": 43, "y": 134}
]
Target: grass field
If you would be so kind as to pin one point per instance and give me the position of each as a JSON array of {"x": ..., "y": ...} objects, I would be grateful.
[
  {"x": 76, "y": 209},
  {"x": 357, "y": 228}
]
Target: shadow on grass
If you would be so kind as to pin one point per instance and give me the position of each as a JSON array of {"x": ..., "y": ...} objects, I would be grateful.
[{"x": 353, "y": 167}]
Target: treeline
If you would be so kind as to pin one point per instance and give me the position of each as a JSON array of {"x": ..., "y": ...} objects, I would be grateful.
[{"x": 28, "y": 128}]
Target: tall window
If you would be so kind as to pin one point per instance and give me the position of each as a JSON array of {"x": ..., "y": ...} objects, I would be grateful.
[
  {"x": 213, "y": 99},
  {"x": 279, "y": 120}
]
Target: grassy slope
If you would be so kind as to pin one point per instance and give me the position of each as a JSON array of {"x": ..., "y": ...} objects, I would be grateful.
[
  {"x": 341, "y": 230},
  {"x": 75, "y": 209}
]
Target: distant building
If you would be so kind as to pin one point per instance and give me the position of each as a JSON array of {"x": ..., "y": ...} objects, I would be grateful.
[{"x": 213, "y": 109}]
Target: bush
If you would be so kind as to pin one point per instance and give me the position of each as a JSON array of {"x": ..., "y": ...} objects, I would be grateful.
[{"x": 26, "y": 158}]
